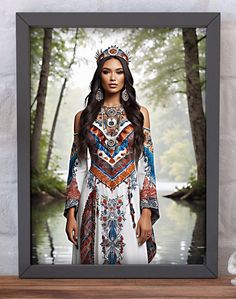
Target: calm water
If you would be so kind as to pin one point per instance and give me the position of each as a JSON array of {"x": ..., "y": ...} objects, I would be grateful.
[{"x": 173, "y": 231}]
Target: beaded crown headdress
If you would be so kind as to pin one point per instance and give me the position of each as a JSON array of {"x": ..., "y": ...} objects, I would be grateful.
[{"x": 112, "y": 51}]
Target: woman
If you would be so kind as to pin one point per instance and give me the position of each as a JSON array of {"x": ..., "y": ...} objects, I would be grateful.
[{"x": 112, "y": 206}]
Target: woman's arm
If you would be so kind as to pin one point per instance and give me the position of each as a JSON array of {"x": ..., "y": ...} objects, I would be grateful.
[
  {"x": 147, "y": 182},
  {"x": 76, "y": 174},
  {"x": 146, "y": 124}
]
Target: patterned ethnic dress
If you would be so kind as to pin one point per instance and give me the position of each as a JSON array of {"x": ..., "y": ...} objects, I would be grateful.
[{"x": 110, "y": 193}]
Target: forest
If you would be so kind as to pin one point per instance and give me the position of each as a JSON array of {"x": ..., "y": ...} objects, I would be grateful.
[{"x": 170, "y": 64}]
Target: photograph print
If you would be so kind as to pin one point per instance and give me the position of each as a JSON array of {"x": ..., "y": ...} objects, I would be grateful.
[{"x": 118, "y": 145}]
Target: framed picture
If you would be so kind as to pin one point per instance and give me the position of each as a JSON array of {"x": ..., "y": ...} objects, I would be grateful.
[{"x": 154, "y": 217}]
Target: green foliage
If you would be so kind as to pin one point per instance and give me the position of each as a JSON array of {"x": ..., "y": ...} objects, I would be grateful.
[
  {"x": 63, "y": 40},
  {"x": 199, "y": 187},
  {"x": 46, "y": 180},
  {"x": 158, "y": 54},
  {"x": 177, "y": 160},
  {"x": 36, "y": 51},
  {"x": 174, "y": 141},
  {"x": 63, "y": 48},
  {"x": 192, "y": 178}
]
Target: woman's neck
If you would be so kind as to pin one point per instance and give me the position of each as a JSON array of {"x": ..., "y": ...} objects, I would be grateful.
[{"x": 112, "y": 100}]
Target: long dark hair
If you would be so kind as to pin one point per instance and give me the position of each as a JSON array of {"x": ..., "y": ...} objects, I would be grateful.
[{"x": 132, "y": 110}]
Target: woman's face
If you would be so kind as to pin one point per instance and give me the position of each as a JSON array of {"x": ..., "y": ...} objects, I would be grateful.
[{"x": 112, "y": 76}]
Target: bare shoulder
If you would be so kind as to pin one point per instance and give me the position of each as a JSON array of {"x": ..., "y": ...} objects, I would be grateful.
[
  {"x": 77, "y": 121},
  {"x": 77, "y": 115},
  {"x": 146, "y": 118},
  {"x": 144, "y": 110}
]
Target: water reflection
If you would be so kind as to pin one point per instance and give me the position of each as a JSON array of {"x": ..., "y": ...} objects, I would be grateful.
[{"x": 173, "y": 231}]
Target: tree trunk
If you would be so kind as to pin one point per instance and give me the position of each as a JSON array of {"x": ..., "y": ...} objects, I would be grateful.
[
  {"x": 50, "y": 144},
  {"x": 41, "y": 98},
  {"x": 194, "y": 98}
]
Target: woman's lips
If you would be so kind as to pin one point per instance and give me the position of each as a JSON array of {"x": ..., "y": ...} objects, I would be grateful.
[{"x": 112, "y": 85}]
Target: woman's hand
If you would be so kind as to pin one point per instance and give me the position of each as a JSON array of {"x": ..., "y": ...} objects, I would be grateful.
[
  {"x": 144, "y": 226},
  {"x": 72, "y": 226}
]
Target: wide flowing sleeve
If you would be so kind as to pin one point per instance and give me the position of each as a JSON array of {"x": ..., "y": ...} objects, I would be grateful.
[
  {"x": 147, "y": 177},
  {"x": 75, "y": 180}
]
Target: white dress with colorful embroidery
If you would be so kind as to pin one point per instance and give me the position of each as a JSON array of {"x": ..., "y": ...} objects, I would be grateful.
[{"x": 110, "y": 193}]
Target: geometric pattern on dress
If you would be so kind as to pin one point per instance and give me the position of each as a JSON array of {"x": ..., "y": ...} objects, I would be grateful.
[
  {"x": 72, "y": 190},
  {"x": 112, "y": 217},
  {"x": 112, "y": 167},
  {"x": 148, "y": 192},
  {"x": 87, "y": 232}
]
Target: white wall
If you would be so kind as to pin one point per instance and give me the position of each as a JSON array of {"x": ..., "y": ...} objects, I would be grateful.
[{"x": 8, "y": 137}]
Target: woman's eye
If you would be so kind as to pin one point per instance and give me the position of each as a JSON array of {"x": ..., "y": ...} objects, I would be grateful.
[
  {"x": 105, "y": 72},
  {"x": 120, "y": 72}
]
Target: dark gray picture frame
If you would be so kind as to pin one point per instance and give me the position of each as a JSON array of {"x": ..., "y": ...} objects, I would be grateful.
[{"x": 211, "y": 21}]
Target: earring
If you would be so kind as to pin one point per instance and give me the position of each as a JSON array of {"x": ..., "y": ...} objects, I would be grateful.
[
  {"x": 125, "y": 95},
  {"x": 99, "y": 94}
]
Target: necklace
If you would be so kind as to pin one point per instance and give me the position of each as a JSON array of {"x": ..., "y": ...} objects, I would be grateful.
[
  {"x": 118, "y": 105},
  {"x": 111, "y": 123}
]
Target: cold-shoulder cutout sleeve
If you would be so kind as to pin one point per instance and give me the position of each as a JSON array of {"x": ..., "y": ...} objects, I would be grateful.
[
  {"x": 75, "y": 180},
  {"x": 147, "y": 177}
]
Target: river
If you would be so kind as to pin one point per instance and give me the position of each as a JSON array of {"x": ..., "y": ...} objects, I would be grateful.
[{"x": 173, "y": 231}]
